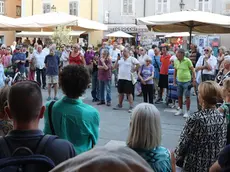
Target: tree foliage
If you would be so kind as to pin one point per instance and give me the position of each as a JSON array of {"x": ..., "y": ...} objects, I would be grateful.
[{"x": 62, "y": 36}]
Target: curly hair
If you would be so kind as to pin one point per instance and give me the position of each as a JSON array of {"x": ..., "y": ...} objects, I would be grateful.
[{"x": 74, "y": 80}]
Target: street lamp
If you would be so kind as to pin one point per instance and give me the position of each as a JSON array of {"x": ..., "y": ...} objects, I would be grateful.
[
  {"x": 182, "y": 4},
  {"x": 53, "y": 8}
]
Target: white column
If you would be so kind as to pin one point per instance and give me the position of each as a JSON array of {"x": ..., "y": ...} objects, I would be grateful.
[{"x": 23, "y": 8}]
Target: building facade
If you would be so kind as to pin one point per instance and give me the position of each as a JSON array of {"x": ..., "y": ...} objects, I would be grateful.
[
  {"x": 121, "y": 14},
  {"x": 10, "y": 8},
  {"x": 83, "y": 8}
]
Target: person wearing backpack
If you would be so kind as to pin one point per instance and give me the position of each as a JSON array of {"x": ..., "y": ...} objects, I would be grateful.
[
  {"x": 26, "y": 148},
  {"x": 146, "y": 73}
]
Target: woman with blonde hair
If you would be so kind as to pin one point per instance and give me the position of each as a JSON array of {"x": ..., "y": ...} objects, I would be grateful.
[
  {"x": 145, "y": 137},
  {"x": 220, "y": 58},
  {"x": 204, "y": 133}
]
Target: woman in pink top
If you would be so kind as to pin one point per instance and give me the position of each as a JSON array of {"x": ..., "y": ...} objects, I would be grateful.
[{"x": 6, "y": 59}]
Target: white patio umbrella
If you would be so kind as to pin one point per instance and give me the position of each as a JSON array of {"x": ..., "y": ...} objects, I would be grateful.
[
  {"x": 184, "y": 21},
  {"x": 54, "y": 19},
  {"x": 6, "y": 23},
  {"x": 46, "y": 34},
  {"x": 119, "y": 34}
]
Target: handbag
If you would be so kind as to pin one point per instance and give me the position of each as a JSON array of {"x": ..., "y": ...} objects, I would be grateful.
[{"x": 133, "y": 79}]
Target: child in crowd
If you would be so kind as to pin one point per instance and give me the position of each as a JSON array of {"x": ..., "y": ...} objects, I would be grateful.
[
  {"x": 172, "y": 89},
  {"x": 225, "y": 107},
  {"x": 2, "y": 75},
  {"x": 6, "y": 124}
]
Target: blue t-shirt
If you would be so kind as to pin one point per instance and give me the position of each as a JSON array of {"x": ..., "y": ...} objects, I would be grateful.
[
  {"x": 157, "y": 65},
  {"x": 146, "y": 72},
  {"x": 22, "y": 57},
  {"x": 52, "y": 63}
]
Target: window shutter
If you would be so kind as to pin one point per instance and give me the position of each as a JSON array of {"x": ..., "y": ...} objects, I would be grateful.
[
  {"x": 125, "y": 7},
  {"x": 130, "y": 7}
]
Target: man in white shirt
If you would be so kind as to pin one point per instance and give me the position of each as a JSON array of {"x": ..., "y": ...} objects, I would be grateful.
[
  {"x": 207, "y": 65},
  {"x": 114, "y": 54},
  {"x": 151, "y": 51},
  {"x": 126, "y": 66},
  {"x": 40, "y": 66}
]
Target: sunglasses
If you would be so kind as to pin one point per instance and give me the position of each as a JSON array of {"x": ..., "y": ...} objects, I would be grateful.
[
  {"x": 141, "y": 50},
  {"x": 206, "y": 50}
]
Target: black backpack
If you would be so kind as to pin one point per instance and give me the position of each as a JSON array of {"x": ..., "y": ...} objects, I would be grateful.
[{"x": 24, "y": 160}]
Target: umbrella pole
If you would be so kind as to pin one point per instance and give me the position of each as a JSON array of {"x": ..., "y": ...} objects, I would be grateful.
[{"x": 190, "y": 35}]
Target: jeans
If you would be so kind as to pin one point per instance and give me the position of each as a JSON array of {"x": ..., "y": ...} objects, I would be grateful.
[
  {"x": 183, "y": 88},
  {"x": 147, "y": 91},
  {"x": 95, "y": 86},
  {"x": 41, "y": 72},
  {"x": 105, "y": 85}
]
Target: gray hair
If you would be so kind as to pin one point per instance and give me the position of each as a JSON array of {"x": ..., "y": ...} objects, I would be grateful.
[
  {"x": 145, "y": 127},
  {"x": 223, "y": 49},
  {"x": 148, "y": 58},
  {"x": 106, "y": 52}
]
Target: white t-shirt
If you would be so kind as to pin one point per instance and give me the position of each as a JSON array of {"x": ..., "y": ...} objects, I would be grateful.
[
  {"x": 40, "y": 59},
  {"x": 211, "y": 61},
  {"x": 125, "y": 67},
  {"x": 65, "y": 58},
  {"x": 114, "y": 54}
]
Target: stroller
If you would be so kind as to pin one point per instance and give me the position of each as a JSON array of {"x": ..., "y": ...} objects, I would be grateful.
[
  {"x": 172, "y": 90},
  {"x": 18, "y": 77}
]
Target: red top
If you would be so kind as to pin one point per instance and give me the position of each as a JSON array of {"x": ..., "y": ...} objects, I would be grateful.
[
  {"x": 75, "y": 60},
  {"x": 165, "y": 62}
]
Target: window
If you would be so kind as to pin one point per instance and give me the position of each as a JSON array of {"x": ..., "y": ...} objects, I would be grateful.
[
  {"x": 74, "y": 8},
  {"x": 18, "y": 11},
  {"x": 227, "y": 9},
  {"x": 46, "y": 7},
  {"x": 2, "y": 7},
  {"x": 204, "y": 5},
  {"x": 162, "y": 6},
  {"x": 127, "y": 7}
]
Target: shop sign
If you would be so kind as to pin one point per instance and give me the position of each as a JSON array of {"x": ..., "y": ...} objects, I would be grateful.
[{"x": 127, "y": 29}]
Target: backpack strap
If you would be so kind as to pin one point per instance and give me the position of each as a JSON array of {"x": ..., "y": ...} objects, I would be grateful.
[
  {"x": 4, "y": 147},
  {"x": 50, "y": 117},
  {"x": 45, "y": 141}
]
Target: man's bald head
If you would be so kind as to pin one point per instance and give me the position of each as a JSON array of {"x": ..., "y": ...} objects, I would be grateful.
[{"x": 25, "y": 101}]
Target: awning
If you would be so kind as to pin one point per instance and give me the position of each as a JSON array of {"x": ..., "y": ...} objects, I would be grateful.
[{"x": 46, "y": 34}]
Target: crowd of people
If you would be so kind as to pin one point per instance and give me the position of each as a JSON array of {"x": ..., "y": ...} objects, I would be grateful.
[{"x": 72, "y": 127}]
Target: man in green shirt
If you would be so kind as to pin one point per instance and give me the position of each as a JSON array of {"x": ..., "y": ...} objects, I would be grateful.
[
  {"x": 72, "y": 119},
  {"x": 184, "y": 74}
]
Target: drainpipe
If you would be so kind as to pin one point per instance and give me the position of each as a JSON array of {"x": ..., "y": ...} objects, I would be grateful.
[
  {"x": 91, "y": 10},
  {"x": 32, "y": 7},
  {"x": 144, "y": 8}
]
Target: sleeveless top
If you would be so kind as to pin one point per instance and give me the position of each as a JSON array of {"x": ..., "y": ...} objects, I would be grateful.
[{"x": 75, "y": 60}]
